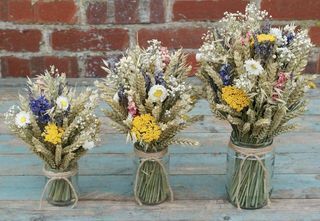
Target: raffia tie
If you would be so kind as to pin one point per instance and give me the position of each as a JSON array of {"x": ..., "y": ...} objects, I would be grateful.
[
  {"x": 60, "y": 176},
  {"x": 156, "y": 157},
  {"x": 253, "y": 153}
]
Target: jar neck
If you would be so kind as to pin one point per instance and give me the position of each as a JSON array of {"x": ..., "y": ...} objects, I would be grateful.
[
  {"x": 148, "y": 149},
  {"x": 235, "y": 141},
  {"x": 71, "y": 167}
]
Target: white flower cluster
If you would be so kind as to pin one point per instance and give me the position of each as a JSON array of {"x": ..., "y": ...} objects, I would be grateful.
[
  {"x": 235, "y": 24},
  {"x": 153, "y": 56},
  {"x": 285, "y": 55},
  {"x": 208, "y": 51},
  {"x": 126, "y": 64},
  {"x": 244, "y": 83},
  {"x": 175, "y": 87},
  {"x": 291, "y": 52}
]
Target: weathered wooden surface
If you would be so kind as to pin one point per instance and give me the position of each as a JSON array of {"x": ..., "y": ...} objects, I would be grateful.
[{"x": 197, "y": 174}]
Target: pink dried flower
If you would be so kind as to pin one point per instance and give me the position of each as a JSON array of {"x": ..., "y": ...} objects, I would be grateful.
[
  {"x": 132, "y": 108},
  {"x": 282, "y": 79},
  {"x": 165, "y": 55},
  {"x": 246, "y": 40}
]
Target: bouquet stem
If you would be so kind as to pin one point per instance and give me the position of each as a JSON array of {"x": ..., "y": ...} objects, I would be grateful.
[
  {"x": 60, "y": 193},
  {"x": 61, "y": 187},
  {"x": 152, "y": 186},
  {"x": 249, "y": 175},
  {"x": 249, "y": 191},
  {"x": 151, "y": 183}
]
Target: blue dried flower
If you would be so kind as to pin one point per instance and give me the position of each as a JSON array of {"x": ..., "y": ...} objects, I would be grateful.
[
  {"x": 290, "y": 38},
  {"x": 225, "y": 74},
  {"x": 266, "y": 27},
  {"x": 263, "y": 49},
  {"x": 147, "y": 82},
  {"x": 123, "y": 100},
  {"x": 39, "y": 108},
  {"x": 158, "y": 76}
]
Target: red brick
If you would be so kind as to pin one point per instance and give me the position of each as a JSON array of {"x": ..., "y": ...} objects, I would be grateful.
[
  {"x": 191, "y": 59},
  {"x": 157, "y": 11},
  {"x": 312, "y": 67},
  {"x": 26, "y": 40},
  {"x": 67, "y": 65},
  {"x": 205, "y": 9},
  {"x": 55, "y": 11},
  {"x": 173, "y": 38},
  {"x": 93, "y": 67},
  {"x": 94, "y": 39},
  {"x": 97, "y": 12},
  {"x": 94, "y": 63},
  {"x": 15, "y": 67},
  {"x": 126, "y": 11},
  {"x": 292, "y": 9},
  {"x": 20, "y": 10},
  {"x": 3, "y": 10},
  {"x": 314, "y": 34}
]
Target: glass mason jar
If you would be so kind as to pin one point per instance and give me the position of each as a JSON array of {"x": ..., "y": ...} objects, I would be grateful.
[
  {"x": 59, "y": 191},
  {"x": 249, "y": 179},
  {"x": 151, "y": 178}
]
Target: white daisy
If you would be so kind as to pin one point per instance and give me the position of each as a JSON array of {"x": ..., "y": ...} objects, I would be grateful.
[
  {"x": 88, "y": 145},
  {"x": 278, "y": 33},
  {"x": 22, "y": 119},
  {"x": 62, "y": 102},
  {"x": 158, "y": 93},
  {"x": 253, "y": 67}
]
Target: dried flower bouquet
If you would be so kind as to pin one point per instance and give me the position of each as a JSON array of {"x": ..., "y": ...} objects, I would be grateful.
[
  {"x": 59, "y": 127},
  {"x": 149, "y": 99},
  {"x": 252, "y": 75}
]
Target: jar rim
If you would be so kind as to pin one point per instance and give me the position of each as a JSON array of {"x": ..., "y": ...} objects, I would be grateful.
[
  {"x": 71, "y": 167},
  {"x": 136, "y": 144},
  {"x": 251, "y": 145}
]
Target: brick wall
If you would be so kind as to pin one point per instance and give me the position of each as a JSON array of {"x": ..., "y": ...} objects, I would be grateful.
[{"x": 75, "y": 34}]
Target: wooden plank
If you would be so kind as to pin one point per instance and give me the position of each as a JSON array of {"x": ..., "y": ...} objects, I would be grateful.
[
  {"x": 191, "y": 187},
  {"x": 293, "y": 142},
  {"x": 208, "y": 210}
]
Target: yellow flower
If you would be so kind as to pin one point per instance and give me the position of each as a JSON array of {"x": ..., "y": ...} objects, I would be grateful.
[
  {"x": 52, "y": 133},
  {"x": 145, "y": 128},
  {"x": 312, "y": 85},
  {"x": 263, "y": 38},
  {"x": 235, "y": 98}
]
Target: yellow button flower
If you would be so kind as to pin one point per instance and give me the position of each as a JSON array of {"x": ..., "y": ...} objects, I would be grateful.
[
  {"x": 52, "y": 133},
  {"x": 145, "y": 128},
  {"x": 264, "y": 38},
  {"x": 235, "y": 97}
]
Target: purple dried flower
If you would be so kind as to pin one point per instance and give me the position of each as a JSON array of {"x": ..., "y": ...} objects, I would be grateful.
[
  {"x": 158, "y": 76},
  {"x": 39, "y": 108},
  {"x": 123, "y": 100},
  {"x": 147, "y": 82},
  {"x": 225, "y": 74}
]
